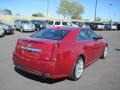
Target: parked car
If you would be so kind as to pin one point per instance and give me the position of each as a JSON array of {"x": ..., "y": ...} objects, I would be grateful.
[
  {"x": 58, "y": 52},
  {"x": 59, "y": 23},
  {"x": 81, "y": 24},
  {"x": 8, "y": 29},
  {"x": 91, "y": 25},
  {"x": 24, "y": 25},
  {"x": 39, "y": 24},
  {"x": 118, "y": 26},
  {"x": 110, "y": 26},
  {"x": 1, "y": 31},
  {"x": 99, "y": 26},
  {"x": 114, "y": 26}
]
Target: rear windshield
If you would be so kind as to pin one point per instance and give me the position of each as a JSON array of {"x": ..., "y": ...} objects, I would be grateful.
[
  {"x": 25, "y": 21},
  {"x": 51, "y": 34}
]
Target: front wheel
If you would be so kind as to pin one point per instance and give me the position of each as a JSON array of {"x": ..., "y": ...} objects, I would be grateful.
[
  {"x": 78, "y": 69},
  {"x": 21, "y": 29}
]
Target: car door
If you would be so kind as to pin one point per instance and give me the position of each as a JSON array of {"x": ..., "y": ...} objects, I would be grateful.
[
  {"x": 98, "y": 46},
  {"x": 88, "y": 46}
]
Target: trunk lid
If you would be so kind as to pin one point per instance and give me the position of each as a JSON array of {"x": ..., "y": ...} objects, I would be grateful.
[{"x": 34, "y": 48}]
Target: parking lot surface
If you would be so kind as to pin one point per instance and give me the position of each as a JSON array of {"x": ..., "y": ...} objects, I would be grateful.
[{"x": 104, "y": 74}]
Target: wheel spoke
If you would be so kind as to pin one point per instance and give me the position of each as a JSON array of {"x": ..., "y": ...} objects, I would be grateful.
[
  {"x": 105, "y": 52},
  {"x": 79, "y": 68}
]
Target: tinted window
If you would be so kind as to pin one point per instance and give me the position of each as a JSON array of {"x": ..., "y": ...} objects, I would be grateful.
[
  {"x": 64, "y": 23},
  {"x": 92, "y": 34},
  {"x": 34, "y": 21},
  {"x": 100, "y": 24},
  {"x": 57, "y": 23},
  {"x": 83, "y": 35},
  {"x": 51, "y": 34},
  {"x": 25, "y": 21},
  {"x": 50, "y": 22}
]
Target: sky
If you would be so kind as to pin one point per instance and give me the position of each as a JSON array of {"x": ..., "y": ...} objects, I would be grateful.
[{"x": 106, "y": 9}]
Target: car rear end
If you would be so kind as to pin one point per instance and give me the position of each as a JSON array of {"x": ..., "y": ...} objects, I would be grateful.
[
  {"x": 38, "y": 54},
  {"x": 9, "y": 29},
  {"x": 100, "y": 26},
  {"x": 28, "y": 27},
  {"x": 114, "y": 27}
]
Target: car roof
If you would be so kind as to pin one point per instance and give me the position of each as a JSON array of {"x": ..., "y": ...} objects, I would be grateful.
[{"x": 65, "y": 28}]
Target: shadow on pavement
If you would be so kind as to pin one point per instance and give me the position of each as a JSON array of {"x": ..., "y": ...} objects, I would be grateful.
[
  {"x": 117, "y": 49},
  {"x": 38, "y": 78}
]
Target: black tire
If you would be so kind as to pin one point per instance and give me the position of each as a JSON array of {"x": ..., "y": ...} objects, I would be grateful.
[
  {"x": 38, "y": 29},
  {"x": 74, "y": 75}
]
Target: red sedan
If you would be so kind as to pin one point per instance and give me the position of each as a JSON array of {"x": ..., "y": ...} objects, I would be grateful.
[{"x": 58, "y": 52}]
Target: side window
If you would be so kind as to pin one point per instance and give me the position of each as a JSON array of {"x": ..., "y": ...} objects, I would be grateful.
[
  {"x": 92, "y": 34},
  {"x": 50, "y": 22},
  {"x": 64, "y": 23},
  {"x": 57, "y": 23},
  {"x": 83, "y": 35}
]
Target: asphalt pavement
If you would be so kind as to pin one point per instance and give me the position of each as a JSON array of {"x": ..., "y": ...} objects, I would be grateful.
[{"x": 103, "y": 74}]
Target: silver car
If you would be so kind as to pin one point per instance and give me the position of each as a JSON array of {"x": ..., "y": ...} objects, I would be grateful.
[{"x": 24, "y": 25}]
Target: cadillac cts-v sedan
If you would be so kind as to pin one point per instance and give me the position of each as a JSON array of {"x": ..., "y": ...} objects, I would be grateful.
[{"x": 57, "y": 52}]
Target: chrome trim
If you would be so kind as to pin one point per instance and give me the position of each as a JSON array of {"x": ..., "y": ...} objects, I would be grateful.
[{"x": 31, "y": 49}]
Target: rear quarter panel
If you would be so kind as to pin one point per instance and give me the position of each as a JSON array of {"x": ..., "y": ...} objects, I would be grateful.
[{"x": 68, "y": 53}]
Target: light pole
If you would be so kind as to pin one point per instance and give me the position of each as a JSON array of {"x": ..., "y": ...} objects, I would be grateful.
[
  {"x": 47, "y": 7},
  {"x": 95, "y": 10},
  {"x": 110, "y": 5}
]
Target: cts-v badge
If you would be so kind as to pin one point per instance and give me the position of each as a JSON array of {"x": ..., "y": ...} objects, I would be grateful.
[{"x": 31, "y": 49}]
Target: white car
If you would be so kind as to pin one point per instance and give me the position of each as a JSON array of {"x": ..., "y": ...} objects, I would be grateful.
[
  {"x": 114, "y": 27},
  {"x": 101, "y": 26},
  {"x": 59, "y": 23},
  {"x": 1, "y": 31}
]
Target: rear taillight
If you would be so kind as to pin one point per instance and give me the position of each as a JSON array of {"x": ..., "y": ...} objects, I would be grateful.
[
  {"x": 18, "y": 45},
  {"x": 55, "y": 52}
]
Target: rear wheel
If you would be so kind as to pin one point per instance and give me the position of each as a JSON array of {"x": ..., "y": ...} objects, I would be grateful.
[
  {"x": 78, "y": 69},
  {"x": 105, "y": 52}
]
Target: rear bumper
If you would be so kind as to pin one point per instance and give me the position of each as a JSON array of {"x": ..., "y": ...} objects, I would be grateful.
[
  {"x": 29, "y": 29},
  {"x": 37, "y": 67},
  {"x": 9, "y": 31}
]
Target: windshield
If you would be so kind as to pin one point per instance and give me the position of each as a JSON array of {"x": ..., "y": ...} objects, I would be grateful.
[{"x": 51, "y": 34}]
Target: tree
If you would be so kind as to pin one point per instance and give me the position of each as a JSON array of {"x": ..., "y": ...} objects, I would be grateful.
[
  {"x": 37, "y": 15},
  {"x": 70, "y": 9},
  {"x": 5, "y": 12},
  {"x": 98, "y": 19},
  {"x": 17, "y": 14},
  {"x": 63, "y": 8}
]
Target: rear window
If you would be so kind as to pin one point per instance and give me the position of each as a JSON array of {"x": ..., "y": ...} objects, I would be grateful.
[{"x": 51, "y": 34}]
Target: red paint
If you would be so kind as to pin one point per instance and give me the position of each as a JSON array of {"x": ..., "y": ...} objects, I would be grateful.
[{"x": 56, "y": 58}]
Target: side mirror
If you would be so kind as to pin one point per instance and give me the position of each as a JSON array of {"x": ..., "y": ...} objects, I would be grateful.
[{"x": 97, "y": 38}]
